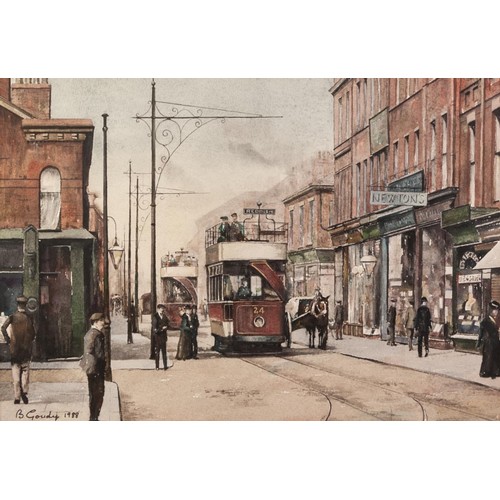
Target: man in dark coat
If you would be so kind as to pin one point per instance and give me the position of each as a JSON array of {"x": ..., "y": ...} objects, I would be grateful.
[
  {"x": 423, "y": 326},
  {"x": 338, "y": 317},
  {"x": 489, "y": 342},
  {"x": 160, "y": 325},
  {"x": 391, "y": 323},
  {"x": 22, "y": 335},
  {"x": 93, "y": 363},
  {"x": 236, "y": 229},
  {"x": 195, "y": 323}
]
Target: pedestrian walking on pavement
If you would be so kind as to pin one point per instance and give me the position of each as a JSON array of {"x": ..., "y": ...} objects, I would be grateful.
[
  {"x": 423, "y": 325},
  {"x": 184, "y": 345},
  {"x": 489, "y": 343},
  {"x": 93, "y": 363},
  {"x": 409, "y": 323},
  {"x": 195, "y": 324},
  {"x": 339, "y": 319},
  {"x": 22, "y": 335},
  {"x": 391, "y": 323},
  {"x": 160, "y": 327}
]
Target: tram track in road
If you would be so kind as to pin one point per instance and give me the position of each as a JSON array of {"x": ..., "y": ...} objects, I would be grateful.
[
  {"x": 246, "y": 360},
  {"x": 381, "y": 386},
  {"x": 421, "y": 405},
  {"x": 330, "y": 397}
]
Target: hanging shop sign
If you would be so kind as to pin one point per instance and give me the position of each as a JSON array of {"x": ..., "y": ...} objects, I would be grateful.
[
  {"x": 397, "y": 223},
  {"x": 413, "y": 182},
  {"x": 398, "y": 198},
  {"x": 469, "y": 278}
]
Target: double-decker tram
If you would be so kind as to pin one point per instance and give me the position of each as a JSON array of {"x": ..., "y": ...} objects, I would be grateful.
[
  {"x": 179, "y": 279},
  {"x": 246, "y": 291}
]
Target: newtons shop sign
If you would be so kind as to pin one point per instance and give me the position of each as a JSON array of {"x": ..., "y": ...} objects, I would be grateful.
[{"x": 398, "y": 198}]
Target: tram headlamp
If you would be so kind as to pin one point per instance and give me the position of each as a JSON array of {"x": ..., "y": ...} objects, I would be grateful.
[{"x": 259, "y": 321}]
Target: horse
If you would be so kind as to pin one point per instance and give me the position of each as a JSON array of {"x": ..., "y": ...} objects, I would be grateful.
[{"x": 316, "y": 318}]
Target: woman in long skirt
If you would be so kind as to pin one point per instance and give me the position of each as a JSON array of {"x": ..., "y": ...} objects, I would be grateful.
[
  {"x": 489, "y": 342},
  {"x": 184, "y": 345}
]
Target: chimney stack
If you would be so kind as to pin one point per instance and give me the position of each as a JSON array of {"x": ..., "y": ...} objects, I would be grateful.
[
  {"x": 32, "y": 95},
  {"x": 5, "y": 88}
]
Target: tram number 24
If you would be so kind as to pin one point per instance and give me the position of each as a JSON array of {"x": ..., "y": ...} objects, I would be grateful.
[{"x": 258, "y": 310}]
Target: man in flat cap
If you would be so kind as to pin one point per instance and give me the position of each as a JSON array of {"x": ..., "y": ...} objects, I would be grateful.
[
  {"x": 423, "y": 325},
  {"x": 22, "y": 335},
  {"x": 224, "y": 228},
  {"x": 489, "y": 343},
  {"x": 93, "y": 363}
]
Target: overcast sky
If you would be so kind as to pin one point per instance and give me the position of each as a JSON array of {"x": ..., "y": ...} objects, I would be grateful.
[{"x": 219, "y": 161}]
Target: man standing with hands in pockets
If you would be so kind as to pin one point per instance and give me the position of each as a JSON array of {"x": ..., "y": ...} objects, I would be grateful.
[{"x": 22, "y": 335}]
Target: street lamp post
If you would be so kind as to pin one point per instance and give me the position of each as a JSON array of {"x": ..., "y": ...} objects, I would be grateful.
[
  {"x": 107, "y": 320},
  {"x": 115, "y": 251},
  {"x": 130, "y": 339},
  {"x": 136, "y": 267},
  {"x": 369, "y": 262}
]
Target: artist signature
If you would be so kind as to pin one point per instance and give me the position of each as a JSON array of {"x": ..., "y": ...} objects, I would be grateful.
[{"x": 50, "y": 415}]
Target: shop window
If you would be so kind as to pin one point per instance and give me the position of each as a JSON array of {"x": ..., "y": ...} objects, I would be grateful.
[{"x": 50, "y": 199}]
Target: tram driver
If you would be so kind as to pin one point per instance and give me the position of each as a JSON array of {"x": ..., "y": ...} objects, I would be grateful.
[{"x": 243, "y": 291}]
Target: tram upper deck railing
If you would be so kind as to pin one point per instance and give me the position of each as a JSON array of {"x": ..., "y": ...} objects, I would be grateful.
[{"x": 266, "y": 231}]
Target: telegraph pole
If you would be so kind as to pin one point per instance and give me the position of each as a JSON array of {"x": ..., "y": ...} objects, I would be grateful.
[{"x": 130, "y": 338}]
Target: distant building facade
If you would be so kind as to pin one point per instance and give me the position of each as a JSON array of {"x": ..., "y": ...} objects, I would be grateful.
[
  {"x": 46, "y": 250},
  {"x": 308, "y": 216}
]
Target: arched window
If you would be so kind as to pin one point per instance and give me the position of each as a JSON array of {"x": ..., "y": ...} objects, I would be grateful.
[{"x": 50, "y": 199}]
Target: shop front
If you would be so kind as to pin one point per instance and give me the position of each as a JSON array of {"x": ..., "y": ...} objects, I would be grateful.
[{"x": 469, "y": 229}]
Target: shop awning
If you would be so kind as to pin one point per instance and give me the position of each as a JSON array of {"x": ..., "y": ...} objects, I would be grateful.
[
  {"x": 265, "y": 270},
  {"x": 491, "y": 260}
]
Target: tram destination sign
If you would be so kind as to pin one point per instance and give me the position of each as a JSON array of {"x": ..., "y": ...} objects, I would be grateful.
[
  {"x": 398, "y": 198},
  {"x": 259, "y": 211}
]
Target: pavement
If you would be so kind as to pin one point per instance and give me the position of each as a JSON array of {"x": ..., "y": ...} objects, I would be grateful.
[{"x": 66, "y": 399}]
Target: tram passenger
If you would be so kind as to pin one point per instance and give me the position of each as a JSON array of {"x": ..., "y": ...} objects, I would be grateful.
[
  {"x": 184, "y": 345},
  {"x": 236, "y": 230},
  {"x": 244, "y": 291},
  {"x": 224, "y": 228},
  {"x": 228, "y": 290}
]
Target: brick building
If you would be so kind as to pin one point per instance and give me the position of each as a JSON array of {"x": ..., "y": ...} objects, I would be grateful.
[
  {"x": 434, "y": 136},
  {"x": 308, "y": 214},
  {"x": 46, "y": 249}
]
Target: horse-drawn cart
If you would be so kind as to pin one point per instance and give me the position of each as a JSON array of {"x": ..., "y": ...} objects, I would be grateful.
[{"x": 302, "y": 313}]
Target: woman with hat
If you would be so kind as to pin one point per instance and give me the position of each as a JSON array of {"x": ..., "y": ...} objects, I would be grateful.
[
  {"x": 489, "y": 342},
  {"x": 185, "y": 333}
]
